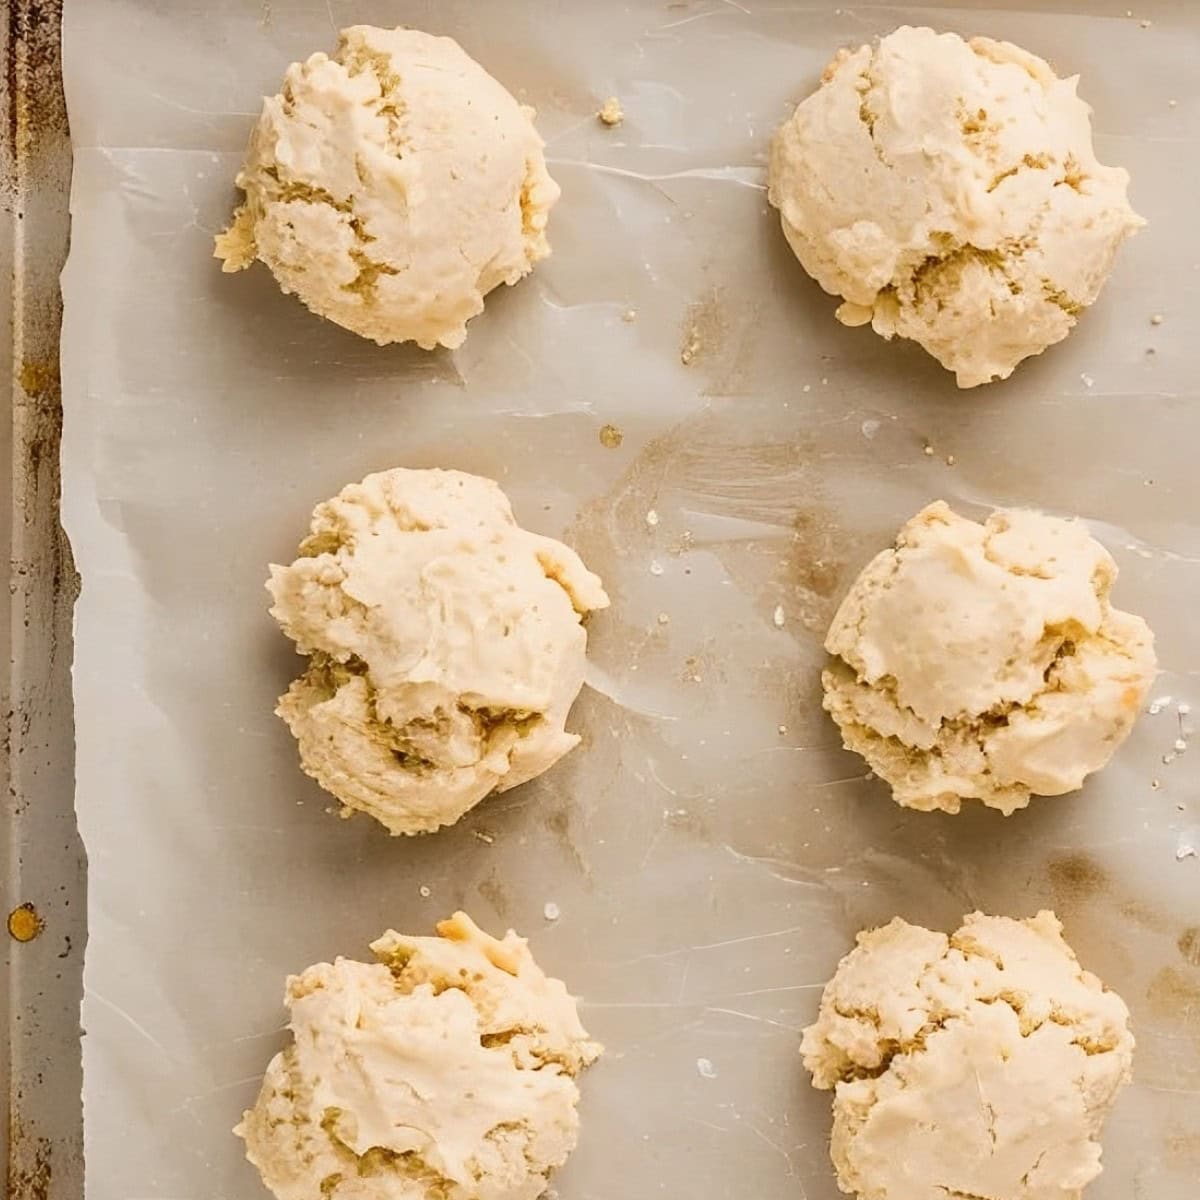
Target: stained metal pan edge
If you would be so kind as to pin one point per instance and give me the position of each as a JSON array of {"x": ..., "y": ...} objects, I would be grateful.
[{"x": 43, "y": 863}]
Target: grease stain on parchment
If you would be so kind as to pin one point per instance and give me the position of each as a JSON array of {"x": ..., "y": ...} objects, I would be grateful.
[
  {"x": 495, "y": 893},
  {"x": 720, "y": 486},
  {"x": 1175, "y": 996},
  {"x": 1189, "y": 945},
  {"x": 722, "y": 338},
  {"x": 1075, "y": 878},
  {"x": 1182, "y": 1148},
  {"x": 558, "y": 825},
  {"x": 704, "y": 328}
]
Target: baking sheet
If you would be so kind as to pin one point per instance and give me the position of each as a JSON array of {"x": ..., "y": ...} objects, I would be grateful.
[
  {"x": 710, "y": 848},
  {"x": 41, "y": 857}
]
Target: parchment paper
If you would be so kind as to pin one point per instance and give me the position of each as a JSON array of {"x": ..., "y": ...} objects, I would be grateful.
[{"x": 710, "y": 848}]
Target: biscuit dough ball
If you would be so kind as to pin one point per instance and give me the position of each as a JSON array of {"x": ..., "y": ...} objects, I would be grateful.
[
  {"x": 948, "y": 191},
  {"x": 444, "y": 1071},
  {"x": 447, "y": 646},
  {"x": 979, "y": 1065},
  {"x": 986, "y": 661},
  {"x": 392, "y": 186}
]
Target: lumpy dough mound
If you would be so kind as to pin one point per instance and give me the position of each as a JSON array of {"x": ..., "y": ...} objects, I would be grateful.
[
  {"x": 948, "y": 191},
  {"x": 392, "y": 186},
  {"x": 443, "y": 1071},
  {"x": 446, "y": 645},
  {"x": 979, "y": 1066},
  {"x": 986, "y": 662}
]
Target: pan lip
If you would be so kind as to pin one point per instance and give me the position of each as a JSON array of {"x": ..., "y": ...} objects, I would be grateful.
[{"x": 41, "y": 1136}]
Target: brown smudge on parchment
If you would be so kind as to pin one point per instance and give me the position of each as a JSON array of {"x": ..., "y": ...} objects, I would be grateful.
[
  {"x": 719, "y": 465},
  {"x": 1175, "y": 996},
  {"x": 1182, "y": 1148},
  {"x": 1189, "y": 945},
  {"x": 1077, "y": 881},
  {"x": 1075, "y": 878},
  {"x": 558, "y": 823},
  {"x": 687, "y": 819},
  {"x": 818, "y": 566},
  {"x": 722, "y": 339},
  {"x": 496, "y": 894},
  {"x": 704, "y": 328},
  {"x": 1145, "y": 916}
]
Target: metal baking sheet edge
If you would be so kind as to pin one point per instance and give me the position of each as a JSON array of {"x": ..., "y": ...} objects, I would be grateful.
[{"x": 43, "y": 862}]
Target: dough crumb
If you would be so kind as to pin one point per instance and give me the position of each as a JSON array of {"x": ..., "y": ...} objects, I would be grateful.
[
  {"x": 446, "y": 1068},
  {"x": 986, "y": 661},
  {"x": 986, "y": 1061},
  {"x": 610, "y": 437},
  {"x": 446, "y": 646},
  {"x": 611, "y": 112}
]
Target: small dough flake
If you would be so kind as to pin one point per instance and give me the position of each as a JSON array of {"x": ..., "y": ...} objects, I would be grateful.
[
  {"x": 949, "y": 192},
  {"x": 611, "y": 112},
  {"x": 986, "y": 661},
  {"x": 392, "y": 186},
  {"x": 447, "y": 646},
  {"x": 444, "y": 1071},
  {"x": 977, "y": 1065}
]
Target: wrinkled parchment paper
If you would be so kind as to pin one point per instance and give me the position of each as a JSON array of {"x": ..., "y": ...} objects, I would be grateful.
[{"x": 710, "y": 848}]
